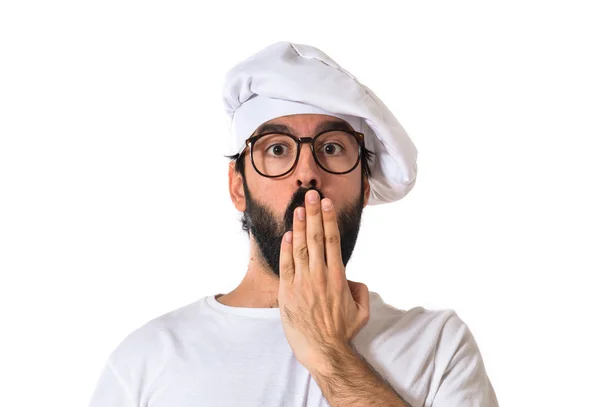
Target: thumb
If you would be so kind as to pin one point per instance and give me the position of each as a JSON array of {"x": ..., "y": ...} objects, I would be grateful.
[{"x": 360, "y": 293}]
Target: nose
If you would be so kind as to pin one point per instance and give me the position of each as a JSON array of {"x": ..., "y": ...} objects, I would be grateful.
[{"x": 307, "y": 172}]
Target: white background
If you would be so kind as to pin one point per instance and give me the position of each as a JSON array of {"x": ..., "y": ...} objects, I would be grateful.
[{"x": 114, "y": 206}]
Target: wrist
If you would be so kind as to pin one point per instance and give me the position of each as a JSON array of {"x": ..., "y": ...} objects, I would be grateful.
[{"x": 333, "y": 358}]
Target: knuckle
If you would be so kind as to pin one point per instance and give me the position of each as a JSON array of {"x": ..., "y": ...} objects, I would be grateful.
[
  {"x": 305, "y": 285},
  {"x": 333, "y": 239},
  {"x": 313, "y": 210},
  {"x": 302, "y": 253},
  {"x": 318, "y": 237},
  {"x": 287, "y": 270},
  {"x": 321, "y": 283}
]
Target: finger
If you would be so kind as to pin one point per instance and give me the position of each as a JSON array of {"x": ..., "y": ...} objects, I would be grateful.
[
  {"x": 300, "y": 251},
  {"x": 286, "y": 259},
  {"x": 314, "y": 232},
  {"x": 333, "y": 250}
]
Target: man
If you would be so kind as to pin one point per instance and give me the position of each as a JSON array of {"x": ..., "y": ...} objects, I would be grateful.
[{"x": 310, "y": 148}]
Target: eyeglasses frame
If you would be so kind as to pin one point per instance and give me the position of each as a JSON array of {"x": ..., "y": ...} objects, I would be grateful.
[{"x": 360, "y": 138}]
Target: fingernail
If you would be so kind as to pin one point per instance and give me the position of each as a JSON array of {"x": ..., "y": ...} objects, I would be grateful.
[
  {"x": 300, "y": 213},
  {"x": 313, "y": 196},
  {"x": 288, "y": 237},
  {"x": 326, "y": 203}
]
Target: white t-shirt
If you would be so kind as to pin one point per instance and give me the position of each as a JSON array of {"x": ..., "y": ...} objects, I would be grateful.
[{"x": 209, "y": 354}]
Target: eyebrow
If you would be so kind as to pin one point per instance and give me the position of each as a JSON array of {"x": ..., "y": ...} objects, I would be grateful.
[
  {"x": 334, "y": 125},
  {"x": 273, "y": 127},
  {"x": 325, "y": 126}
]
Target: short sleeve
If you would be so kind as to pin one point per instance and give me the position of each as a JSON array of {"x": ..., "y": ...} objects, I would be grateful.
[
  {"x": 110, "y": 391},
  {"x": 464, "y": 381}
]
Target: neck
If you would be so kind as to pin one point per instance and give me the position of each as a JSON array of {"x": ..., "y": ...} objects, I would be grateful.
[{"x": 259, "y": 287}]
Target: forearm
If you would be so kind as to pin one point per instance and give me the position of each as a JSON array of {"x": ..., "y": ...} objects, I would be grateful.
[{"x": 347, "y": 379}]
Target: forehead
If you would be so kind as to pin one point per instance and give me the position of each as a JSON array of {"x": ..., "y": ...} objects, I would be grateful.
[{"x": 304, "y": 123}]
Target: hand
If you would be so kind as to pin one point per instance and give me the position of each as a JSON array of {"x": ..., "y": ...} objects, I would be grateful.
[{"x": 320, "y": 308}]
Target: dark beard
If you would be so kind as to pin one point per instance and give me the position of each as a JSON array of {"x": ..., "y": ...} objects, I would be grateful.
[{"x": 268, "y": 231}]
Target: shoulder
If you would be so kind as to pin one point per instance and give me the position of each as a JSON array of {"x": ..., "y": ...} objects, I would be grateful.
[
  {"x": 437, "y": 340},
  {"x": 136, "y": 363},
  {"x": 417, "y": 317},
  {"x": 442, "y": 331},
  {"x": 152, "y": 334},
  {"x": 145, "y": 351}
]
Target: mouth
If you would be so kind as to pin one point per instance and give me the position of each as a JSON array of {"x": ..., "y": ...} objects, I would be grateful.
[{"x": 299, "y": 202}]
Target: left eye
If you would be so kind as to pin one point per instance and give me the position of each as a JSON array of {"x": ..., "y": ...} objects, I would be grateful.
[{"x": 329, "y": 148}]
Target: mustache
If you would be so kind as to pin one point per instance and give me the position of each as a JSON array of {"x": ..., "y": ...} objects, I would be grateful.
[{"x": 296, "y": 201}]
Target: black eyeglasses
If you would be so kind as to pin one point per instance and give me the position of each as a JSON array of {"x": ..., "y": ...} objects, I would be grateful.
[{"x": 275, "y": 154}]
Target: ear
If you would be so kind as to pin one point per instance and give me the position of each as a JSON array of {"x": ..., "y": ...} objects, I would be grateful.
[
  {"x": 236, "y": 188},
  {"x": 367, "y": 188}
]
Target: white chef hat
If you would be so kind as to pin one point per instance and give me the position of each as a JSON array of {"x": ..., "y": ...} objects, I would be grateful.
[{"x": 285, "y": 78}]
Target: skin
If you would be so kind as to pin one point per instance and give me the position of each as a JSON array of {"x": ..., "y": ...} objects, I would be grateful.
[
  {"x": 320, "y": 308},
  {"x": 260, "y": 286},
  {"x": 321, "y": 311}
]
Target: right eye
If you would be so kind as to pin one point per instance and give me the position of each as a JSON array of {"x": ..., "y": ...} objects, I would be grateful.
[{"x": 277, "y": 149}]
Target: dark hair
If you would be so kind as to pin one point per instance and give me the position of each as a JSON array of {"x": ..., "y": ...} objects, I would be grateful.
[{"x": 366, "y": 161}]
